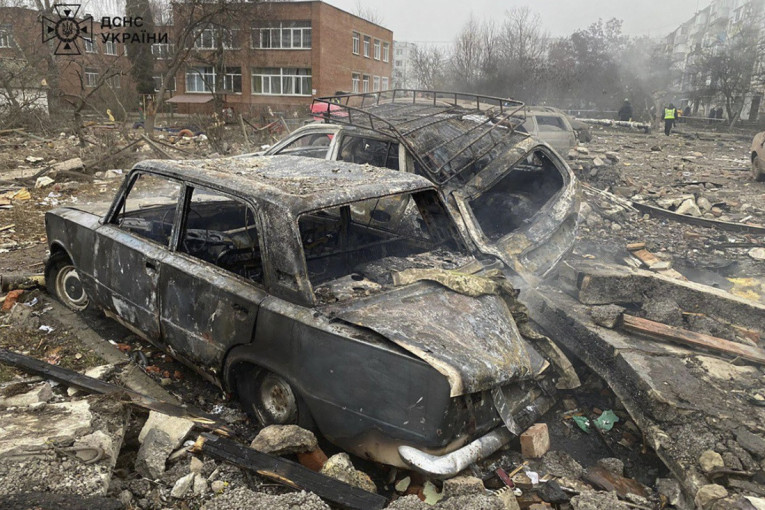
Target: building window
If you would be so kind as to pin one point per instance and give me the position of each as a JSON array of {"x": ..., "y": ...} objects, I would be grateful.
[
  {"x": 376, "y": 84},
  {"x": 377, "y": 49},
  {"x": 205, "y": 39},
  {"x": 367, "y": 43},
  {"x": 356, "y": 42},
  {"x": 114, "y": 81},
  {"x": 282, "y": 35},
  {"x": 232, "y": 80},
  {"x": 365, "y": 83},
  {"x": 385, "y": 84},
  {"x": 399, "y": 63},
  {"x": 355, "y": 82},
  {"x": 110, "y": 47},
  {"x": 281, "y": 81},
  {"x": 399, "y": 52},
  {"x": 231, "y": 39},
  {"x": 162, "y": 51},
  {"x": 6, "y": 39},
  {"x": 170, "y": 83},
  {"x": 200, "y": 79},
  {"x": 91, "y": 78},
  {"x": 90, "y": 45},
  {"x": 386, "y": 52}
]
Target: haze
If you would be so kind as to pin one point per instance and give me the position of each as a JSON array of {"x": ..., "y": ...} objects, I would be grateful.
[{"x": 438, "y": 21}]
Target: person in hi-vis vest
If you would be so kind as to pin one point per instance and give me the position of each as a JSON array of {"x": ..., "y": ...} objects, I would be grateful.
[{"x": 670, "y": 114}]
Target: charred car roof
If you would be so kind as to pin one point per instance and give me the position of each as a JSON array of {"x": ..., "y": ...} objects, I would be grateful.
[
  {"x": 297, "y": 184},
  {"x": 451, "y": 135}
]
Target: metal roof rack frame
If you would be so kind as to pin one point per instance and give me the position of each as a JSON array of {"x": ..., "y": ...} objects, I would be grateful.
[{"x": 402, "y": 113}]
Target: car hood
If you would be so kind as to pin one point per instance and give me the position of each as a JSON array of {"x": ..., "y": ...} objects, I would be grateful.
[{"x": 473, "y": 341}]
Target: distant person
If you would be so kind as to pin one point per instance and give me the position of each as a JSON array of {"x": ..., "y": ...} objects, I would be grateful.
[
  {"x": 670, "y": 114},
  {"x": 719, "y": 113},
  {"x": 712, "y": 115},
  {"x": 625, "y": 112},
  {"x": 687, "y": 111}
]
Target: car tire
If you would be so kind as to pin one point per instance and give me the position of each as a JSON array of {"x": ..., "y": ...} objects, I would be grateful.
[
  {"x": 758, "y": 168},
  {"x": 270, "y": 399},
  {"x": 63, "y": 282}
]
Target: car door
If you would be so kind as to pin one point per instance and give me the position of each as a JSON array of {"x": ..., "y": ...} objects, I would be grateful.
[
  {"x": 556, "y": 131},
  {"x": 212, "y": 283},
  {"x": 131, "y": 246}
]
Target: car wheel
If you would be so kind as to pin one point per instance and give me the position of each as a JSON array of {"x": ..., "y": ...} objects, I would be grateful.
[
  {"x": 63, "y": 281},
  {"x": 758, "y": 168},
  {"x": 270, "y": 399}
]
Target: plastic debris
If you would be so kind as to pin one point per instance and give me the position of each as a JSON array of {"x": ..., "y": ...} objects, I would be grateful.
[
  {"x": 583, "y": 422},
  {"x": 606, "y": 420}
]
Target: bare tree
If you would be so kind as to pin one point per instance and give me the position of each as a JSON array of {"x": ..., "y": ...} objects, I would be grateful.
[
  {"x": 368, "y": 13},
  {"x": 428, "y": 67},
  {"x": 729, "y": 68},
  {"x": 523, "y": 47},
  {"x": 190, "y": 19}
]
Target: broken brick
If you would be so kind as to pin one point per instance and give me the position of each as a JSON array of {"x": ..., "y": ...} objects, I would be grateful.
[
  {"x": 313, "y": 460},
  {"x": 11, "y": 298},
  {"x": 535, "y": 441}
]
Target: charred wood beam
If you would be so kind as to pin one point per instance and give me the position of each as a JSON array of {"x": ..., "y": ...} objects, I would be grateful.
[
  {"x": 701, "y": 222},
  {"x": 288, "y": 473},
  {"x": 92, "y": 385},
  {"x": 657, "y": 330}
]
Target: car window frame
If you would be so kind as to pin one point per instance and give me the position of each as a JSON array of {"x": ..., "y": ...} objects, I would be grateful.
[
  {"x": 110, "y": 218},
  {"x": 180, "y": 226}
]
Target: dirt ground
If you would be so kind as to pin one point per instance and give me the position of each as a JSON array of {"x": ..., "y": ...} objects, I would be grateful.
[{"x": 703, "y": 166}]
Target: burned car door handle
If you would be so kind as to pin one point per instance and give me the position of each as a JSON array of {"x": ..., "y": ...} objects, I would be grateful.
[{"x": 151, "y": 264}]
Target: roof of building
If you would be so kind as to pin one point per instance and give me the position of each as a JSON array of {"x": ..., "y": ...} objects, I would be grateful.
[{"x": 293, "y": 183}]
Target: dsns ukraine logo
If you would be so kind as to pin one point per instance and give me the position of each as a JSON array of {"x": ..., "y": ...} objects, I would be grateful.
[{"x": 67, "y": 29}]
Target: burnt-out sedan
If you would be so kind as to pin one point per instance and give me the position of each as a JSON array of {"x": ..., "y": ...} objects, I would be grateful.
[{"x": 329, "y": 294}]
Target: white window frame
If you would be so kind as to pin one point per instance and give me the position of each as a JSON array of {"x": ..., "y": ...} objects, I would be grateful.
[
  {"x": 356, "y": 43},
  {"x": 90, "y": 45},
  {"x": 229, "y": 76},
  {"x": 231, "y": 39},
  {"x": 365, "y": 83},
  {"x": 355, "y": 82},
  {"x": 162, "y": 51},
  {"x": 376, "y": 84},
  {"x": 90, "y": 78},
  {"x": 115, "y": 81},
  {"x": 274, "y": 80},
  {"x": 110, "y": 47},
  {"x": 367, "y": 45},
  {"x": 385, "y": 83},
  {"x": 282, "y": 35},
  {"x": 204, "y": 36},
  {"x": 202, "y": 75},
  {"x": 158, "y": 80},
  {"x": 6, "y": 36},
  {"x": 377, "y": 48},
  {"x": 386, "y": 52}
]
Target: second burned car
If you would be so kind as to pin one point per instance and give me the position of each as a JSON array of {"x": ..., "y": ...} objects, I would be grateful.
[
  {"x": 511, "y": 194},
  {"x": 322, "y": 293}
]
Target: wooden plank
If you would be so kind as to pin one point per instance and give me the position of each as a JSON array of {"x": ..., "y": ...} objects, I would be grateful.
[
  {"x": 660, "y": 331},
  {"x": 288, "y": 473},
  {"x": 93, "y": 385}
]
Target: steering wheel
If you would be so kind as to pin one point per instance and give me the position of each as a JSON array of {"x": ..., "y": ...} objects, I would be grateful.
[{"x": 185, "y": 240}]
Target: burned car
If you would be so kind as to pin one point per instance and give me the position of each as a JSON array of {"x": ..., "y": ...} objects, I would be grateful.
[
  {"x": 511, "y": 194},
  {"x": 321, "y": 293}
]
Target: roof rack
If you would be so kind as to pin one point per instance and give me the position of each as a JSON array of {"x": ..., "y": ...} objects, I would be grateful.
[{"x": 447, "y": 150}]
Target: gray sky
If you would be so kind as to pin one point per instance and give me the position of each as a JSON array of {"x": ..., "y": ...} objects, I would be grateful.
[{"x": 440, "y": 20}]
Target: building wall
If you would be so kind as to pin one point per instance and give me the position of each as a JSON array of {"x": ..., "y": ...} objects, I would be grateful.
[{"x": 330, "y": 58}]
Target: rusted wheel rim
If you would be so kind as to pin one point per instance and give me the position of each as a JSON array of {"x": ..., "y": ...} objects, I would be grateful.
[
  {"x": 69, "y": 288},
  {"x": 277, "y": 399}
]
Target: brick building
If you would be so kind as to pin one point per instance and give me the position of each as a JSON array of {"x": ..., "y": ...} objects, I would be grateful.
[
  {"x": 280, "y": 55},
  {"x": 268, "y": 55},
  {"x": 31, "y": 71}
]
